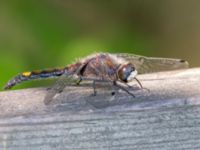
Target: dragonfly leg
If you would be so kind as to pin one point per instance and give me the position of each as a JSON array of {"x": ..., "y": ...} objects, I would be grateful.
[
  {"x": 94, "y": 87},
  {"x": 122, "y": 88},
  {"x": 140, "y": 84},
  {"x": 114, "y": 89},
  {"x": 79, "y": 81}
]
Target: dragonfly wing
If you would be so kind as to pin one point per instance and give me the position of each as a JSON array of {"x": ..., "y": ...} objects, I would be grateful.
[
  {"x": 153, "y": 64},
  {"x": 60, "y": 84}
]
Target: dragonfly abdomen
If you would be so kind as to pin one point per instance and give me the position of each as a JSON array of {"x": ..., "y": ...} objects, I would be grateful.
[{"x": 31, "y": 75}]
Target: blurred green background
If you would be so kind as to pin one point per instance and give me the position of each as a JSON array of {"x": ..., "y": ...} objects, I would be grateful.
[{"x": 41, "y": 34}]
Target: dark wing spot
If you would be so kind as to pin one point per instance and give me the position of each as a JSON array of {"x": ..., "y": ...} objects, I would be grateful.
[{"x": 182, "y": 61}]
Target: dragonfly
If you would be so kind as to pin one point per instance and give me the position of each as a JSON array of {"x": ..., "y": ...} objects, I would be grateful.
[{"x": 114, "y": 68}]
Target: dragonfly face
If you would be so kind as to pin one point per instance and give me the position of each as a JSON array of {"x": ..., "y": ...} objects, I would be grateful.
[{"x": 127, "y": 72}]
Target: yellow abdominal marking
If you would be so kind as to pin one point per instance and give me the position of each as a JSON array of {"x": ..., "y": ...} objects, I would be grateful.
[{"x": 26, "y": 74}]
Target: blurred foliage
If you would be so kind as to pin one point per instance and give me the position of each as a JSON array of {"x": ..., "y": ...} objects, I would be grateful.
[{"x": 41, "y": 34}]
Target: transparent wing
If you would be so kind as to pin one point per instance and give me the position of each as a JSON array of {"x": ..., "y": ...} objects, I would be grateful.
[
  {"x": 60, "y": 84},
  {"x": 152, "y": 64}
]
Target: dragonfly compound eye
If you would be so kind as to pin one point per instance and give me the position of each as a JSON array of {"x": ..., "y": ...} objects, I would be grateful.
[{"x": 127, "y": 72}]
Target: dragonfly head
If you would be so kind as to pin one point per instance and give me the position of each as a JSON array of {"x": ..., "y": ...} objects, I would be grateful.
[{"x": 126, "y": 72}]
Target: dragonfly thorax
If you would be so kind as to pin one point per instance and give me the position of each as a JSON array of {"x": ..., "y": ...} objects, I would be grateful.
[{"x": 126, "y": 72}]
